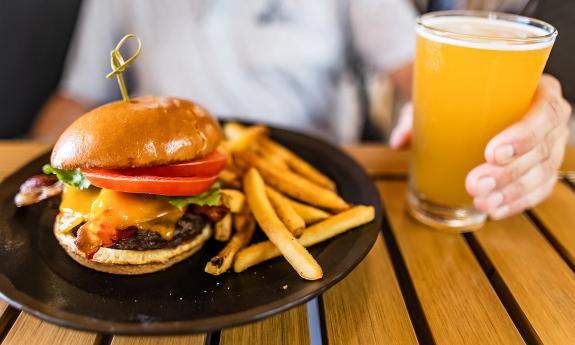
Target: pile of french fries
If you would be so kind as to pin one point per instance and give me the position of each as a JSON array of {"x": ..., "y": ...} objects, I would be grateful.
[{"x": 294, "y": 204}]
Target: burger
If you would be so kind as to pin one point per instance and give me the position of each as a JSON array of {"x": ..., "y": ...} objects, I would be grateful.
[{"x": 138, "y": 183}]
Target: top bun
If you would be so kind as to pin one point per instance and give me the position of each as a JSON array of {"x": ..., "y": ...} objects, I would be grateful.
[{"x": 146, "y": 131}]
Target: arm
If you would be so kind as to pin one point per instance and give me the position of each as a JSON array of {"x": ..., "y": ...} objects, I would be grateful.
[
  {"x": 402, "y": 78},
  {"x": 58, "y": 112}
]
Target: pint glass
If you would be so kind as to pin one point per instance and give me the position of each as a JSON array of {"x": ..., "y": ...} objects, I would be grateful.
[{"x": 475, "y": 74}]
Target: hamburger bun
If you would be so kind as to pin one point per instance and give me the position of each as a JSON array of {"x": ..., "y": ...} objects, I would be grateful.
[
  {"x": 133, "y": 262},
  {"x": 146, "y": 131}
]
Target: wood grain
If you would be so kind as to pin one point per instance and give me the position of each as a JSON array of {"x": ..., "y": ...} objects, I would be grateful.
[
  {"x": 457, "y": 299},
  {"x": 379, "y": 159},
  {"x": 377, "y": 313},
  {"x": 569, "y": 160},
  {"x": 29, "y": 330},
  {"x": 16, "y": 153},
  {"x": 539, "y": 282},
  {"x": 559, "y": 223},
  {"x": 289, "y": 328},
  {"x": 172, "y": 340}
]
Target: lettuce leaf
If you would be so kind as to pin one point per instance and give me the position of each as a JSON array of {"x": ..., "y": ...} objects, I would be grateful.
[
  {"x": 212, "y": 197},
  {"x": 73, "y": 178}
]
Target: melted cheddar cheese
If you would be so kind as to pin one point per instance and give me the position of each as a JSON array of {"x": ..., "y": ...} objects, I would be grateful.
[
  {"x": 118, "y": 210},
  {"x": 75, "y": 207}
]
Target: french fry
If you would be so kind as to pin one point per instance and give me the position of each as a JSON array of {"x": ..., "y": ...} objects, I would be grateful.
[
  {"x": 233, "y": 130},
  {"x": 233, "y": 199},
  {"x": 229, "y": 179},
  {"x": 297, "y": 164},
  {"x": 309, "y": 214},
  {"x": 333, "y": 226},
  {"x": 248, "y": 137},
  {"x": 286, "y": 212},
  {"x": 298, "y": 257},
  {"x": 292, "y": 184},
  {"x": 272, "y": 158},
  {"x": 245, "y": 226},
  {"x": 223, "y": 228}
]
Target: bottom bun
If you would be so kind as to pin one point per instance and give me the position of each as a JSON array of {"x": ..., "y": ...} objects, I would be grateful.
[{"x": 132, "y": 262}]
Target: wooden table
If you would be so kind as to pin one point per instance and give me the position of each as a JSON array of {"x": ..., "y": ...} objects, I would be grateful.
[{"x": 510, "y": 283}]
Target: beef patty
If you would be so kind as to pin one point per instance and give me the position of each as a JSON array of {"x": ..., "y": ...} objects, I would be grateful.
[{"x": 188, "y": 227}]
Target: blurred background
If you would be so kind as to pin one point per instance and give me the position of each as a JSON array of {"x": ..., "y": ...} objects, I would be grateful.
[{"x": 36, "y": 36}]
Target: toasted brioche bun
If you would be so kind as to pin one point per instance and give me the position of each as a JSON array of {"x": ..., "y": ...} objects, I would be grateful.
[
  {"x": 146, "y": 131},
  {"x": 133, "y": 262}
]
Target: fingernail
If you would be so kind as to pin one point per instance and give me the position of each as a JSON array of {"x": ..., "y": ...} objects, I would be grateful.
[
  {"x": 500, "y": 213},
  {"x": 503, "y": 154},
  {"x": 485, "y": 185},
  {"x": 494, "y": 200}
]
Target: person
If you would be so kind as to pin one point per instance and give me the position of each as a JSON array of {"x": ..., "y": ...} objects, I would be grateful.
[{"x": 282, "y": 62}]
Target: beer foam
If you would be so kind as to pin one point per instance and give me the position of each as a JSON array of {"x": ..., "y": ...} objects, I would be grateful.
[{"x": 491, "y": 33}]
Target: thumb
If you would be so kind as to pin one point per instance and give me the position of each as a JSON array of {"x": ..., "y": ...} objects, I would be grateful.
[{"x": 401, "y": 134}]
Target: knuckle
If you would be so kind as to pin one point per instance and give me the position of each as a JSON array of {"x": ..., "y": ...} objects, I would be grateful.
[
  {"x": 551, "y": 82},
  {"x": 545, "y": 149},
  {"x": 528, "y": 139},
  {"x": 553, "y": 110},
  {"x": 514, "y": 191},
  {"x": 507, "y": 175}
]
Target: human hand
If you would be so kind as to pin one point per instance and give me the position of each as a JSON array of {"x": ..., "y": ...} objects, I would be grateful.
[
  {"x": 522, "y": 161},
  {"x": 401, "y": 134}
]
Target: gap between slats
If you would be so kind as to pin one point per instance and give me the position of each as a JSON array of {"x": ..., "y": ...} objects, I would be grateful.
[
  {"x": 414, "y": 308},
  {"x": 505, "y": 296},
  {"x": 7, "y": 319}
]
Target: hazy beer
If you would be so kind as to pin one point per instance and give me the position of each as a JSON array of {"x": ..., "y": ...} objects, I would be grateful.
[{"x": 475, "y": 74}]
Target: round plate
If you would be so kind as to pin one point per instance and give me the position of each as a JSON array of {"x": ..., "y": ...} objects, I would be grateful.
[{"x": 37, "y": 276}]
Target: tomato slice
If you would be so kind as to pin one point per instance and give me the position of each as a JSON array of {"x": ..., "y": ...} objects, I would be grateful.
[
  {"x": 209, "y": 165},
  {"x": 159, "y": 185}
]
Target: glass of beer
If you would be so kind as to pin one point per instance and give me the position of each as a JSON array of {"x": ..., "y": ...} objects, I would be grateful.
[{"x": 475, "y": 74}]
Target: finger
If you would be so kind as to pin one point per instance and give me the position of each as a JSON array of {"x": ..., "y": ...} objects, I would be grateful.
[
  {"x": 526, "y": 202},
  {"x": 548, "y": 111},
  {"x": 525, "y": 184},
  {"x": 488, "y": 177},
  {"x": 401, "y": 134},
  {"x": 529, "y": 182}
]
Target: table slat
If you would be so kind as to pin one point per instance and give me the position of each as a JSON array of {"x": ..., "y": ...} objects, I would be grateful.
[
  {"x": 377, "y": 314},
  {"x": 539, "y": 281},
  {"x": 559, "y": 223},
  {"x": 171, "y": 340},
  {"x": 380, "y": 160},
  {"x": 289, "y": 328},
  {"x": 16, "y": 153},
  {"x": 457, "y": 299},
  {"x": 569, "y": 160},
  {"x": 30, "y": 330}
]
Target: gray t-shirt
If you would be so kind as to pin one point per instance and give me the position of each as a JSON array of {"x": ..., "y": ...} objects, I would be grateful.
[{"x": 269, "y": 60}]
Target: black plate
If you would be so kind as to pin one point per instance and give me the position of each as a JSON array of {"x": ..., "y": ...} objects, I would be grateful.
[{"x": 38, "y": 276}]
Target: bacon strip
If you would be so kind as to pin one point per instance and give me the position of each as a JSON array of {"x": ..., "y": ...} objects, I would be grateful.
[
  {"x": 87, "y": 241},
  {"x": 213, "y": 213},
  {"x": 38, "y": 188}
]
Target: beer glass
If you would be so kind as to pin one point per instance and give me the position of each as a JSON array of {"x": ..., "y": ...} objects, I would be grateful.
[{"x": 475, "y": 74}]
